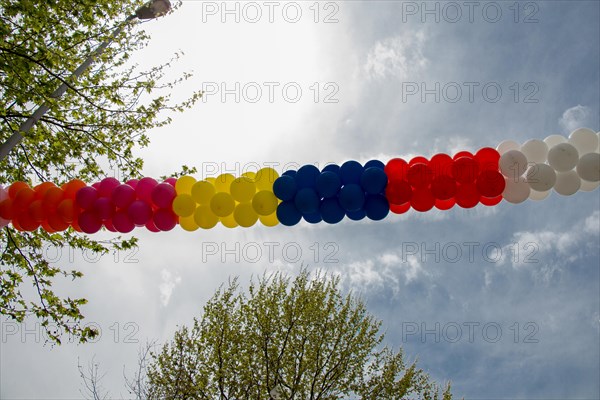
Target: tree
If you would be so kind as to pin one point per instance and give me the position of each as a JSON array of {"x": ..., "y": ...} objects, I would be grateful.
[
  {"x": 285, "y": 339},
  {"x": 93, "y": 129}
]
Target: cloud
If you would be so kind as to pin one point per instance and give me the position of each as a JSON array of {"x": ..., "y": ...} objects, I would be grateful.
[
  {"x": 398, "y": 56},
  {"x": 167, "y": 285},
  {"x": 576, "y": 117}
]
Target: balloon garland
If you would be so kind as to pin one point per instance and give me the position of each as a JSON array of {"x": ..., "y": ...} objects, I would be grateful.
[{"x": 511, "y": 172}]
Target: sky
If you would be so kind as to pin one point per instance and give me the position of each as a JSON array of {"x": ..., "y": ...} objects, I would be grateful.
[{"x": 504, "y": 302}]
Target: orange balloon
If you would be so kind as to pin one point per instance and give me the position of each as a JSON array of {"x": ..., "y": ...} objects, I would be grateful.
[
  {"x": 36, "y": 211},
  {"x": 26, "y": 222},
  {"x": 23, "y": 198},
  {"x": 75, "y": 225},
  {"x": 15, "y": 188},
  {"x": 16, "y": 225},
  {"x": 66, "y": 210},
  {"x": 7, "y": 209},
  {"x": 41, "y": 189},
  {"x": 72, "y": 187},
  {"x": 47, "y": 227},
  {"x": 52, "y": 198},
  {"x": 56, "y": 222}
]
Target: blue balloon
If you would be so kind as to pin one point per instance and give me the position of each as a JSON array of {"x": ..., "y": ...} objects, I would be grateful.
[
  {"x": 331, "y": 211},
  {"x": 374, "y": 164},
  {"x": 290, "y": 172},
  {"x": 328, "y": 184},
  {"x": 350, "y": 172},
  {"x": 373, "y": 180},
  {"x": 352, "y": 197},
  {"x": 284, "y": 187},
  {"x": 306, "y": 177},
  {"x": 356, "y": 215},
  {"x": 307, "y": 201},
  {"x": 376, "y": 207},
  {"x": 313, "y": 218},
  {"x": 288, "y": 214},
  {"x": 332, "y": 168}
]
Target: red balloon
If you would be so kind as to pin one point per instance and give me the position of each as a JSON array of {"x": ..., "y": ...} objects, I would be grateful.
[
  {"x": 7, "y": 210},
  {"x": 57, "y": 223},
  {"x": 109, "y": 225},
  {"x": 40, "y": 190},
  {"x": 419, "y": 176},
  {"x": 122, "y": 222},
  {"x": 144, "y": 188},
  {"x": 14, "y": 188},
  {"x": 89, "y": 222},
  {"x": 465, "y": 169},
  {"x": 86, "y": 197},
  {"x": 107, "y": 185},
  {"x": 132, "y": 182},
  {"x": 45, "y": 226},
  {"x": 36, "y": 211},
  {"x": 396, "y": 169},
  {"x": 490, "y": 202},
  {"x": 103, "y": 208},
  {"x": 52, "y": 199},
  {"x": 443, "y": 187},
  {"x": 96, "y": 185},
  {"x": 400, "y": 208},
  {"x": 164, "y": 219},
  {"x": 422, "y": 200},
  {"x": 163, "y": 195},
  {"x": 467, "y": 195},
  {"x": 67, "y": 210},
  {"x": 441, "y": 164},
  {"x": 445, "y": 204},
  {"x": 140, "y": 212},
  {"x": 72, "y": 187},
  {"x": 151, "y": 227},
  {"x": 460, "y": 154},
  {"x": 123, "y": 195},
  {"x": 418, "y": 160},
  {"x": 490, "y": 183},
  {"x": 23, "y": 198},
  {"x": 398, "y": 192},
  {"x": 487, "y": 158},
  {"x": 26, "y": 222},
  {"x": 171, "y": 181}
]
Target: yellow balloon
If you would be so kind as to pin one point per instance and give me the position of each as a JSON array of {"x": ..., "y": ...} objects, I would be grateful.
[
  {"x": 245, "y": 215},
  {"x": 250, "y": 174},
  {"x": 211, "y": 179},
  {"x": 229, "y": 221},
  {"x": 264, "y": 202},
  {"x": 222, "y": 204},
  {"x": 205, "y": 218},
  {"x": 184, "y": 184},
  {"x": 184, "y": 205},
  {"x": 265, "y": 178},
  {"x": 202, "y": 192},
  {"x": 269, "y": 220},
  {"x": 223, "y": 181},
  {"x": 242, "y": 189},
  {"x": 188, "y": 223}
]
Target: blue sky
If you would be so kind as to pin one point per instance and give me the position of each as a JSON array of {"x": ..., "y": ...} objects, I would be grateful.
[{"x": 518, "y": 320}]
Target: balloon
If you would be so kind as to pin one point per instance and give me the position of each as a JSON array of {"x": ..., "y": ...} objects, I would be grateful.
[
  {"x": 417, "y": 160},
  {"x": 164, "y": 219},
  {"x": 465, "y": 170},
  {"x": 584, "y": 140},
  {"x": 328, "y": 184},
  {"x": 588, "y": 167},
  {"x": 89, "y": 222},
  {"x": 513, "y": 164},
  {"x": 223, "y": 183},
  {"x": 285, "y": 187},
  {"x": 563, "y": 157},
  {"x": 352, "y": 197},
  {"x": 67, "y": 210},
  {"x": 487, "y": 158},
  {"x": 40, "y": 190},
  {"x": 250, "y": 175},
  {"x": 373, "y": 180},
  {"x": 35, "y": 211},
  {"x": 103, "y": 208},
  {"x": 535, "y": 195},
  {"x": 264, "y": 202},
  {"x": 288, "y": 214},
  {"x": 306, "y": 177},
  {"x": 461, "y": 154},
  {"x": 71, "y": 188},
  {"x": 107, "y": 185},
  {"x": 122, "y": 222},
  {"x": 203, "y": 191},
  {"x": 567, "y": 183},
  {"x": 132, "y": 182},
  {"x": 376, "y": 207},
  {"x": 7, "y": 210},
  {"x": 350, "y": 172},
  {"x": 331, "y": 211},
  {"x": 516, "y": 190},
  {"x": 541, "y": 177},
  {"x": 140, "y": 212},
  {"x": 374, "y": 164},
  {"x": 222, "y": 204},
  {"x": 188, "y": 223},
  {"x": 587, "y": 186},
  {"x": 535, "y": 150},
  {"x": 84, "y": 198},
  {"x": 245, "y": 215},
  {"x": 27, "y": 223},
  {"x": 3, "y": 193},
  {"x": 290, "y": 172},
  {"x": 398, "y": 192},
  {"x": 242, "y": 189},
  {"x": 265, "y": 177},
  {"x": 443, "y": 187},
  {"x": 467, "y": 195},
  {"x": 229, "y": 221},
  {"x": 144, "y": 187},
  {"x": 553, "y": 140},
  {"x": 269, "y": 220},
  {"x": 150, "y": 226},
  {"x": 490, "y": 183},
  {"x": 507, "y": 146},
  {"x": 123, "y": 195},
  {"x": 356, "y": 215},
  {"x": 45, "y": 226},
  {"x": 422, "y": 200},
  {"x": 184, "y": 205},
  {"x": 307, "y": 201},
  {"x": 109, "y": 226},
  {"x": 332, "y": 168},
  {"x": 162, "y": 195},
  {"x": 419, "y": 176},
  {"x": 58, "y": 224},
  {"x": 445, "y": 204},
  {"x": 15, "y": 188},
  {"x": 396, "y": 169},
  {"x": 204, "y": 217},
  {"x": 490, "y": 202},
  {"x": 184, "y": 184},
  {"x": 171, "y": 181},
  {"x": 23, "y": 198},
  {"x": 441, "y": 164}
]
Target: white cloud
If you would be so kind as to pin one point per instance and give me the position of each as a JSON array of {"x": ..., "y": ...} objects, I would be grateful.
[
  {"x": 398, "y": 56},
  {"x": 167, "y": 285},
  {"x": 576, "y": 117}
]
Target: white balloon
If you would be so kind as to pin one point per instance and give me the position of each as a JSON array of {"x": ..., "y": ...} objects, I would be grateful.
[
  {"x": 563, "y": 157},
  {"x": 585, "y": 140},
  {"x": 587, "y": 186},
  {"x": 513, "y": 164},
  {"x": 588, "y": 167},
  {"x": 567, "y": 183},
  {"x": 507, "y": 145},
  {"x": 516, "y": 190},
  {"x": 535, "y": 150},
  {"x": 537, "y": 196},
  {"x": 541, "y": 177},
  {"x": 553, "y": 140}
]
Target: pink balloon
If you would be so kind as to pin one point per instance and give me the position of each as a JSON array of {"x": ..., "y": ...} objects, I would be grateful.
[
  {"x": 122, "y": 222},
  {"x": 144, "y": 189},
  {"x": 164, "y": 219},
  {"x": 123, "y": 196},
  {"x": 104, "y": 208},
  {"x": 109, "y": 225},
  {"x": 89, "y": 222},
  {"x": 163, "y": 195},
  {"x": 96, "y": 185},
  {"x": 140, "y": 212},
  {"x": 86, "y": 196},
  {"x": 171, "y": 181},
  {"x": 132, "y": 182},
  {"x": 151, "y": 226},
  {"x": 107, "y": 185}
]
